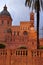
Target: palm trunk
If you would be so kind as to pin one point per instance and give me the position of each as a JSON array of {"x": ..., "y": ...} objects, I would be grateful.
[{"x": 37, "y": 29}]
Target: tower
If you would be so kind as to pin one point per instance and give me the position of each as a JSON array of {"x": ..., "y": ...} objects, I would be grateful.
[
  {"x": 32, "y": 18},
  {"x": 5, "y": 23}
]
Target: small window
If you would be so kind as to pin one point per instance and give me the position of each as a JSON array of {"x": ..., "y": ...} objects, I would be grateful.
[
  {"x": 14, "y": 33},
  {"x": 6, "y": 53},
  {"x": 16, "y": 52},
  {"x": 32, "y": 54},
  {"x": 37, "y": 53},
  {"x": 32, "y": 43},
  {"x": 23, "y": 52},
  {"x": 1, "y": 53},
  {"x": 18, "y": 33},
  {"x": 11, "y": 53},
  {"x": 26, "y": 53},
  {"x": 8, "y": 23},
  {"x": 2, "y": 22},
  {"x": 9, "y": 31}
]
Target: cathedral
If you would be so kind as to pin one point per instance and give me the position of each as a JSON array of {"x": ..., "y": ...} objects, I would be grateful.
[{"x": 20, "y": 42}]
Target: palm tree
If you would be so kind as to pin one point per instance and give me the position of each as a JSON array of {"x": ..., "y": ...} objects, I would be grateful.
[{"x": 37, "y": 5}]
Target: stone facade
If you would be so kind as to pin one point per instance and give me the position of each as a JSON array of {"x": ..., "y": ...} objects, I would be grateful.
[{"x": 20, "y": 42}]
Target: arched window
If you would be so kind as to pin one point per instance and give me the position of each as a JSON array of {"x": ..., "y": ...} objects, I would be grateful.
[
  {"x": 2, "y": 22},
  {"x": 18, "y": 52},
  {"x": 18, "y": 33},
  {"x": 14, "y": 33},
  {"x": 8, "y": 23},
  {"x": 25, "y": 33},
  {"x": 9, "y": 30}
]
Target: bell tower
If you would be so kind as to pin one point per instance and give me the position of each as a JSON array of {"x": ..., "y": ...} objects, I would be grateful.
[
  {"x": 32, "y": 16},
  {"x": 32, "y": 19}
]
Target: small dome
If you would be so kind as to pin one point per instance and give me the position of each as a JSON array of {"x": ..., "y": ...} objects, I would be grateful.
[{"x": 5, "y": 12}]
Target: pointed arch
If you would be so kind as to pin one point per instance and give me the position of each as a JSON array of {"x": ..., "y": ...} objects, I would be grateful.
[{"x": 25, "y": 33}]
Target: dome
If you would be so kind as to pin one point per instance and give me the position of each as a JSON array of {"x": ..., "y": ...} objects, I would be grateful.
[{"x": 5, "y": 12}]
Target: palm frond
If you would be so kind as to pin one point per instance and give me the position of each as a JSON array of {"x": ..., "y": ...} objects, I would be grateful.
[
  {"x": 41, "y": 4},
  {"x": 28, "y": 3},
  {"x": 35, "y": 4}
]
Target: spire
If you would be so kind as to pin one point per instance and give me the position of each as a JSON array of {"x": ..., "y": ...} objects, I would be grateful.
[
  {"x": 5, "y": 7},
  {"x": 32, "y": 16},
  {"x": 32, "y": 19}
]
